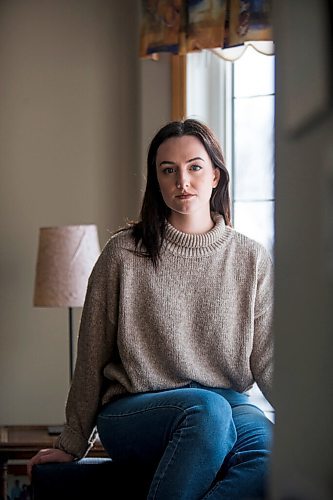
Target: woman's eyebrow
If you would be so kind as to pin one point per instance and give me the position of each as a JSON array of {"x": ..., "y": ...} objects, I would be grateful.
[
  {"x": 196, "y": 158},
  {"x": 166, "y": 162}
]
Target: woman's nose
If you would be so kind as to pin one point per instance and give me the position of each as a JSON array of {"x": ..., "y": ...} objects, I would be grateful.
[{"x": 182, "y": 180}]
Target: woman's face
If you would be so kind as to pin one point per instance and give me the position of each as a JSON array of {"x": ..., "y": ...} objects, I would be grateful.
[{"x": 186, "y": 175}]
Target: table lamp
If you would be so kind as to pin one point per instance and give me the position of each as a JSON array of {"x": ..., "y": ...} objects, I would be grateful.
[{"x": 66, "y": 256}]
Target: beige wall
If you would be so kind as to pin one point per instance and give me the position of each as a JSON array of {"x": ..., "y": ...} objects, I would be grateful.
[{"x": 77, "y": 107}]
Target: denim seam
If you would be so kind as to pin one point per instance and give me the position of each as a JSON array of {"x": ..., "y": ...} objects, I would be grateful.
[
  {"x": 212, "y": 491},
  {"x": 119, "y": 415}
]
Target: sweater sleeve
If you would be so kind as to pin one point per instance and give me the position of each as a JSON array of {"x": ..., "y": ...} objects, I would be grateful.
[
  {"x": 261, "y": 360},
  {"x": 95, "y": 344}
]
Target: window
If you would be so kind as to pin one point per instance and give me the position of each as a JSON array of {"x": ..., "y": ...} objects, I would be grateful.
[
  {"x": 236, "y": 99},
  {"x": 253, "y": 146}
]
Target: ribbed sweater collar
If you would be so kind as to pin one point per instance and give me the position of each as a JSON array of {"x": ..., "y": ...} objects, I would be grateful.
[{"x": 195, "y": 245}]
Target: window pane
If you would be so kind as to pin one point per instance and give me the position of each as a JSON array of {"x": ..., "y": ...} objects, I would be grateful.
[
  {"x": 249, "y": 81},
  {"x": 256, "y": 220},
  {"x": 254, "y": 148}
]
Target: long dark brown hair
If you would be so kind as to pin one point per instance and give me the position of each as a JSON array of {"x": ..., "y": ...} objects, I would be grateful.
[{"x": 150, "y": 230}]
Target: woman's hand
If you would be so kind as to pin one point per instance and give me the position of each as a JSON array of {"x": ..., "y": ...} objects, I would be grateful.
[{"x": 48, "y": 455}]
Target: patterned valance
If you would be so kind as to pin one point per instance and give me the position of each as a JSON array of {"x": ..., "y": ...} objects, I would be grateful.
[{"x": 182, "y": 26}]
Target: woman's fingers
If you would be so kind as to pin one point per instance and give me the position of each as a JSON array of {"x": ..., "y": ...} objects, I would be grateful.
[{"x": 48, "y": 455}]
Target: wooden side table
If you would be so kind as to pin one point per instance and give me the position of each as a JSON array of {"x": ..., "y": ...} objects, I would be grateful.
[{"x": 19, "y": 442}]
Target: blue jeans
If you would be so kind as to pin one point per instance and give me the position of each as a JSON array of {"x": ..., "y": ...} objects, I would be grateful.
[{"x": 198, "y": 442}]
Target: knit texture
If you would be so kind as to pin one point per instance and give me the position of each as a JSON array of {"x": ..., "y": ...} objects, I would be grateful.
[{"x": 203, "y": 315}]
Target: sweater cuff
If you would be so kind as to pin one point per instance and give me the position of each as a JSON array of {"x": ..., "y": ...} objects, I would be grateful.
[{"x": 73, "y": 443}]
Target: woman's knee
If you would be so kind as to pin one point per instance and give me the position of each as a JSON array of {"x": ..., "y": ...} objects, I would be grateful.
[
  {"x": 211, "y": 414},
  {"x": 210, "y": 405}
]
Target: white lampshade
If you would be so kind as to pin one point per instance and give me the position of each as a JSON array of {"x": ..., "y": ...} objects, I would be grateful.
[{"x": 66, "y": 256}]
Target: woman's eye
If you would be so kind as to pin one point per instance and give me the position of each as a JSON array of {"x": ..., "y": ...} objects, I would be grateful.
[
  {"x": 168, "y": 170},
  {"x": 196, "y": 167}
]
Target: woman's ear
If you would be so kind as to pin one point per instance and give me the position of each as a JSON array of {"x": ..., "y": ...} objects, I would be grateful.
[{"x": 216, "y": 177}]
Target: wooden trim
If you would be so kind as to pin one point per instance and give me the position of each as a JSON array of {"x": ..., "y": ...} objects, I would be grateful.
[{"x": 178, "y": 89}]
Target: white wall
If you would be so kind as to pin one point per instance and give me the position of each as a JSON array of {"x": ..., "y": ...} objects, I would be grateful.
[{"x": 75, "y": 104}]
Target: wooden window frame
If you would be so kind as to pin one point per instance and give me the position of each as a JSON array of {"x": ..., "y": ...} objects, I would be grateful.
[{"x": 178, "y": 87}]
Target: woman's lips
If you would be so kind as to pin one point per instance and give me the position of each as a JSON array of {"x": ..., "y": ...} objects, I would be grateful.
[{"x": 185, "y": 196}]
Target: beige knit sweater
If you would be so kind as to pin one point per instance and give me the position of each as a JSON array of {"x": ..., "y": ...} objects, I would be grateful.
[{"x": 204, "y": 315}]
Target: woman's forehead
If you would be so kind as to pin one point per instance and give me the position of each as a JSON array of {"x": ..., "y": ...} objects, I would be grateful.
[{"x": 185, "y": 147}]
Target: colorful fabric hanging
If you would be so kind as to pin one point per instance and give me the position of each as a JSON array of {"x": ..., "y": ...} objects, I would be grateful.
[
  {"x": 249, "y": 21},
  {"x": 206, "y": 21},
  {"x": 162, "y": 26},
  {"x": 182, "y": 26}
]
